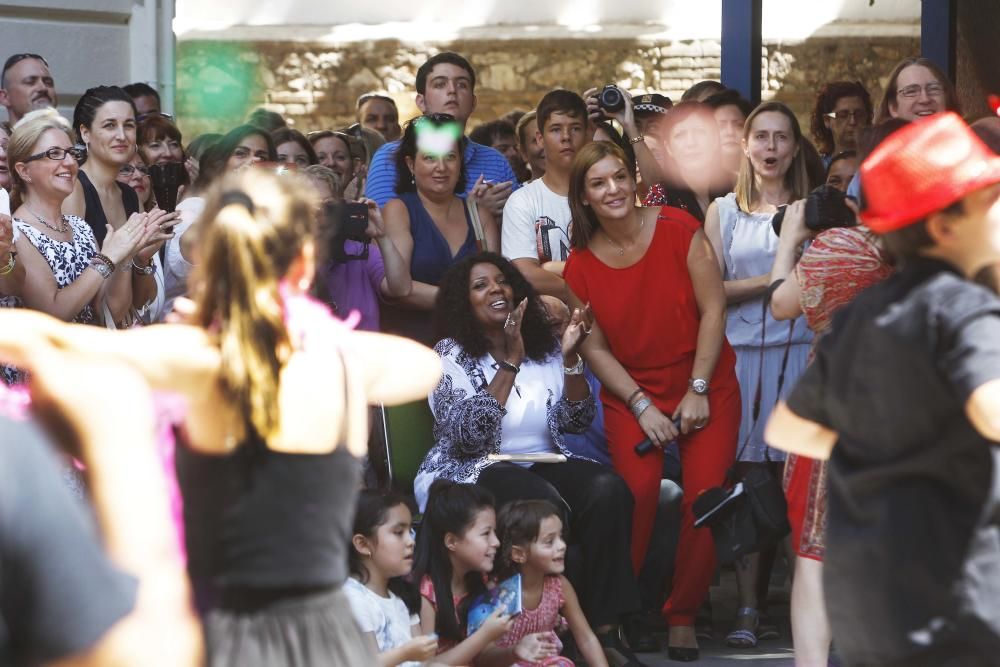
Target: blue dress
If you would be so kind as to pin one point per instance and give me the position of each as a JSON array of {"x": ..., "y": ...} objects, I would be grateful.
[
  {"x": 430, "y": 259},
  {"x": 749, "y": 245}
]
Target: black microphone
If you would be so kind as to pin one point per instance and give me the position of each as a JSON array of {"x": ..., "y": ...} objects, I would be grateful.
[{"x": 646, "y": 446}]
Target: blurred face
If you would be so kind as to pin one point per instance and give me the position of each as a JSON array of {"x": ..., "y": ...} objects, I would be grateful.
[
  {"x": 694, "y": 143},
  {"x": 392, "y": 552},
  {"x": 250, "y": 151},
  {"x": 563, "y": 137},
  {"x": 548, "y": 553},
  {"x": 974, "y": 242},
  {"x": 111, "y": 137},
  {"x": 918, "y": 94},
  {"x": 506, "y": 145},
  {"x": 50, "y": 179},
  {"x": 28, "y": 85},
  {"x": 161, "y": 151},
  {"x": 323, "y": 189},
  {"x": 381, "y": 116},
  {"x": 852, "y": 118},
  {"x": 449, "y": 90},
  {"x": 557, "y": 314},
  {"x": 332, "y": 152},
  {"x": 475, "y": 549},
  {"x": 609, "y": 189},
  {"x": 533, "y": 151},
  {"x": 730, "y": 121},
  {"x": 5, "y": 181},
  {"x": 146, "y": 104},
  {"x": 291, "y": 153},
  {"x": 135, "y": 174},
  {"x": 841, "y": 172},
  {"x": 770, "y": 145},
  {"x": 490, "y": 295},
  {"x": 436, "y": 174}
]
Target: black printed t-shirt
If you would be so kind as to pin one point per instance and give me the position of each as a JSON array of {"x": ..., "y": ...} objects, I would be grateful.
[{"x": 913, "y": 536}]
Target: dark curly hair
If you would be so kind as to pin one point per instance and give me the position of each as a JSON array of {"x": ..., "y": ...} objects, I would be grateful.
[
  {"x": 453, "y": 316},
  {"x": 408, "y": 149}
]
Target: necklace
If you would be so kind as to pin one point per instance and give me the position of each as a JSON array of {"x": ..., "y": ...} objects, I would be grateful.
[
  {"x": 61, "y": 229},
  {"x": 621, "y": 249}
]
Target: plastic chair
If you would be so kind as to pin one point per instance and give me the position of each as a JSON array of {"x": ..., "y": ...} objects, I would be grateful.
[{"x": 407, "y": 431}]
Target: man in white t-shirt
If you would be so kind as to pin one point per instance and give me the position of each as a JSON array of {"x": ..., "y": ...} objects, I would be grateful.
[{"x": 536, "y": 218}]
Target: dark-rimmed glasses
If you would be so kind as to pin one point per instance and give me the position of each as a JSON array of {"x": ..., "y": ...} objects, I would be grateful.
[{"x": 58, "y": 154}]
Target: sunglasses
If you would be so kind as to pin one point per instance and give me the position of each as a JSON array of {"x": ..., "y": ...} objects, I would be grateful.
[
  {"x": 58, "y": 154},
  {"x": 18, "y": 57},
  {"x": 127, "y": 170},
  {"x": 154, "y": 114}
]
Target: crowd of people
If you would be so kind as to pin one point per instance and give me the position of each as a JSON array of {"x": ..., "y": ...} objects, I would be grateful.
[{"x": 618, "y": 291}]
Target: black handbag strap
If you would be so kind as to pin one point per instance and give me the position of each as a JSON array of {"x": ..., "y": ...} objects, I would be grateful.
[{"x": 758, "y": 392}]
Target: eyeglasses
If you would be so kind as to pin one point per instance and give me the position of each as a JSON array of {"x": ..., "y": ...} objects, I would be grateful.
[
  {"x": 58, "y": 154},
  {"x": 154, "y": 114},
  {"x": 931, "y": 89},
  {"x": 127, "y": 170},
  {"x": 857, "y": 115},
  {"x": 18, "y": 57}
]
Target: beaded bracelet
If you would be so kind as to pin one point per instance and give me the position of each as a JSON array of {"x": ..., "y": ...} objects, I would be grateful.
[{"x": 104, "y": 259}]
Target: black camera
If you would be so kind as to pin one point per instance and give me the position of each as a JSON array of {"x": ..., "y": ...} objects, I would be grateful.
[
  {"x": 347, "y": 221},
  {"x": 826, "y": 208},
  {"x": 611, "y": 98}
]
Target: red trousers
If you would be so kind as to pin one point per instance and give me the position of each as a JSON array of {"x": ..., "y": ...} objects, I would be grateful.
[{"x": 705, "y": 455}]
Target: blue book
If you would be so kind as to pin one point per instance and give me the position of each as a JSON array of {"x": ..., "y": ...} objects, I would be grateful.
[{"x": 506, "y": 596}]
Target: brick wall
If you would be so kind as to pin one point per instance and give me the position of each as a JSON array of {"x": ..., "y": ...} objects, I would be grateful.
[{"x": 315, "y": 86}]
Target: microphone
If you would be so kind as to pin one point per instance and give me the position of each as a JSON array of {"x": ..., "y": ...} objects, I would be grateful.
[{"x": 646, "y": 446}]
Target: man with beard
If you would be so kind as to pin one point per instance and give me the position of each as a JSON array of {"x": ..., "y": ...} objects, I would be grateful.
[{"x": 25, "y": 85}]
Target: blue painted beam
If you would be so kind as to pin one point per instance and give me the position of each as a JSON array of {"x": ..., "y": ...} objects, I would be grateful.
[
  {"x": 741, "y": 43},
  {"x": 938, "y": 33}
]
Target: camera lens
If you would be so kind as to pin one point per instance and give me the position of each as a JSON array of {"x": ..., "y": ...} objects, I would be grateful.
[{"x": 611, "y": 99}]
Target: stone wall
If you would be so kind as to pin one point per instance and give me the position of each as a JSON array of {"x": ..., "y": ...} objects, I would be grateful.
[{"x": 315, "y": 86}]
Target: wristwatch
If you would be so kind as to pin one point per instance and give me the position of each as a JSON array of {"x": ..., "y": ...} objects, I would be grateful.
[
  {"x": 142, "y": 270},
  {"x": 576, "y": 369},
  {"x": 103, "y": 269},
  {"x": 698, "y": 386}
]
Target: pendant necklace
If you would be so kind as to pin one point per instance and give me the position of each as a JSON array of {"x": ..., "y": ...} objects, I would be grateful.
[
  {"x": 621, "y": 249},
  {"x": 61, "y": 230}
]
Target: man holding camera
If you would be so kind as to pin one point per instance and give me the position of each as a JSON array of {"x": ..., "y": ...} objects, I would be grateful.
[{"x": 446, "y": 84}]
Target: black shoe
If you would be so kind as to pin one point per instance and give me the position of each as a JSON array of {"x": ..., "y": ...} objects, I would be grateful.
[
  {"x": 639, "y": 636},
  {"x": 682, "y": 654},
  {"x": 617, "y": 653}
]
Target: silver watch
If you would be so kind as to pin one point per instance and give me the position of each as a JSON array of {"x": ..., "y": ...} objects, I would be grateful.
[
  {"x": 102, "y": 269},
  {"x": 698, "y": 386}
]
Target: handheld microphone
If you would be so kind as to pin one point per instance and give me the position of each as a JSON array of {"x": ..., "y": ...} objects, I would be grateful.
[{"x": 646, "y": 446}]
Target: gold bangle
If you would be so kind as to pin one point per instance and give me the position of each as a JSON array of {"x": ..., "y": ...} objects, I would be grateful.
[
  {"x": 636, "y": 139},
  {"x": 11, "y": 263}
]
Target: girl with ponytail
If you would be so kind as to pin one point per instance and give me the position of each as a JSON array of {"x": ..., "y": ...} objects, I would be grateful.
[{"x": 277, "y": 392}]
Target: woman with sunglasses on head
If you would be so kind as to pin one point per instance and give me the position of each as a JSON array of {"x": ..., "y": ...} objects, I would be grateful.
[
  {"x": 104, "y": 120},
  {"x": 333, "y": 150},
  {"x": 430, "y": 224}
]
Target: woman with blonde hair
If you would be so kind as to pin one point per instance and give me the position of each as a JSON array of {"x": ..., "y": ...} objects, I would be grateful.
[
  {"x": 770, "y": 355},
  {"x": 65, "y": 274},
  {"x": 277, "y": 391}
]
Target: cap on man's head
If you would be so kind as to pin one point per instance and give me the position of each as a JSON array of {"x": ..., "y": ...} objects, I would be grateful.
[
  {"x": 923, "y": 168},
  {"x": 651, "y": 103}
]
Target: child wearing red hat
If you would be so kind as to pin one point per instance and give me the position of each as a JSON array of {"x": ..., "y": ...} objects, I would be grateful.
[{"x": 904, "y": 400}]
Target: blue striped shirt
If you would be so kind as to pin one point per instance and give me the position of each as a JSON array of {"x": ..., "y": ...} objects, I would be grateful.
[{"x": 479, "y": 159}]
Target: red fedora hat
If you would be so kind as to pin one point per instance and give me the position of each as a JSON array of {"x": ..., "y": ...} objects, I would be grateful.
[{"x": 922, "y": 168}]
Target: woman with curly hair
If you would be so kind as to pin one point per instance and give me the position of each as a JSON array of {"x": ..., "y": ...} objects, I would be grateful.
[
  {"x": 511, "y": 388},
  {"x": 843, "y": 111}
]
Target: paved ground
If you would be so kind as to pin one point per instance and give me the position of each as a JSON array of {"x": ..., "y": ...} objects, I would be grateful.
[{"x": 774, "y": 653}]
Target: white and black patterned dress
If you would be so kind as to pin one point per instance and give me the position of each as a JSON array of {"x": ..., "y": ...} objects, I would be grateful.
[{"x": 67, "y": 259}]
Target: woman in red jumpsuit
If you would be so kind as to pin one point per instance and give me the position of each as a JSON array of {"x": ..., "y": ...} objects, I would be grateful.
[{"x": 658, "y": 347}]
